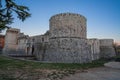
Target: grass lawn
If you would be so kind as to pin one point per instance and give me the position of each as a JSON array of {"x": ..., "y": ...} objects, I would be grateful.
[
  {"x": 6, "y": 63},
  {"x": 11, "y": 69}
]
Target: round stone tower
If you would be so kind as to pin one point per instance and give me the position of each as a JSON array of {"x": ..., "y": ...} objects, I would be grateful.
[
  {"x": 68, "y": 25},
  {"x": 68, "y": 42}
]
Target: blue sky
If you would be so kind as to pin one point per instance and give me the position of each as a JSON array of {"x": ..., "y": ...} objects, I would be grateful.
[{"x": 103, "y": 16}]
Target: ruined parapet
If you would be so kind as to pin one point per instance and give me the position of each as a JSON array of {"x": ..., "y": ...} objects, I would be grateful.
[
  {"x": 106, "y": 42},
  {"x": 22, "y": 43},
  {"x": 95, "y": 48},
  {"x": 11, "y": 41},
  {"x": 68, "y": 42},
  {"x": 41, "y": 38},
  {"x": 106, "y": 48}
]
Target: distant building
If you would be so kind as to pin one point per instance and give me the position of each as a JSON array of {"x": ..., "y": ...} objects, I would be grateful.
[{"x": 2, "y": 37}]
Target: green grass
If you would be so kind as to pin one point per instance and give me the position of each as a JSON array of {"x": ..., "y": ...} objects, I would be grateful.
[
  {"x": 5, "y": 77},
  {"x": 117, "y": 58},
  {"x": 6, "y": 63}
]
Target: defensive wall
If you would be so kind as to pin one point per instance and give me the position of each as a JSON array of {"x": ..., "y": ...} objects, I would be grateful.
[{"x": 65, "y": 42}]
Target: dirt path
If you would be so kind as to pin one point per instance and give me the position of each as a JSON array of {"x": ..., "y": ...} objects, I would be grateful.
[
  {"x": 113, "y": 65},
  {"x": 103, "y": 73}
]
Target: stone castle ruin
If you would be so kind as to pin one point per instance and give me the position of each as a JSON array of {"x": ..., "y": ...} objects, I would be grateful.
[{"x": 65, "y": 42}]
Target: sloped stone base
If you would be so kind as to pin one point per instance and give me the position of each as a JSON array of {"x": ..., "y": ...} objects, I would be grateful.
[{"x": 68, "y": 50}]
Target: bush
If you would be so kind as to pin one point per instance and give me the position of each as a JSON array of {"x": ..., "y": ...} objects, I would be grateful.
[{"x": 5, "y": 77}]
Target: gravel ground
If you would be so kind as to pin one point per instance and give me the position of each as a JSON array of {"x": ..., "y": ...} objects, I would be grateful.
[
  {"x": 113, "y": 65},
  {"x": 102, "y": 73}
]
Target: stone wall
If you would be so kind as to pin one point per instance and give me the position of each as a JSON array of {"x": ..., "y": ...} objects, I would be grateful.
[
  {"x": 40, "y": 38},
  {"x": 68, "y": 50},
  {"x": 106, "y": 42},
  {"x": 40, "y": 45},
  {"x": 106, "y": 48},
  {"x": 95, "y": 48},
  {"x": 67, "y": 43},
  {"x": 40, "y": 50},
  {"x": 11, "y": 41},
  {"x": 68, "y": 25},
  {"x": 22, "y": 43}
]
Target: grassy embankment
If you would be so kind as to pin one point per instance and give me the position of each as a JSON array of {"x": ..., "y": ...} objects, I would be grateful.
[
  {"x": 6, "y": 63},
  {"x": 11, "y": 66}
]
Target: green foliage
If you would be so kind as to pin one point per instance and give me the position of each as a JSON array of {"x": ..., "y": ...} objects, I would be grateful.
[
  {"x": 116, "y": 58},
  {"x": 5, "y": 77},
  {"x": 7, "y": 10}
]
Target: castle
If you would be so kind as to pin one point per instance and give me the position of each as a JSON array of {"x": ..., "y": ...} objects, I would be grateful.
[{"x": 65, "y": 42}]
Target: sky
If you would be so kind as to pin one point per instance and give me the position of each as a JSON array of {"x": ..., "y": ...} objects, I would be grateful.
[{"x": 103, "y": 16}]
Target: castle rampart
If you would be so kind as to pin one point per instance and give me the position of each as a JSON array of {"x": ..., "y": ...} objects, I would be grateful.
[{"x": 65, "y": 42}]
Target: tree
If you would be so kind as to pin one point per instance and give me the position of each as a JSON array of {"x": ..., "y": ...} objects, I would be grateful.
[{"x": 7, "y": 10}]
